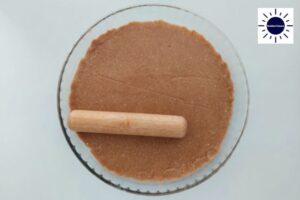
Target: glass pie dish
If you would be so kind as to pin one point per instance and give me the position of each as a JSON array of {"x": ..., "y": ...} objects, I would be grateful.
[{"x": 175, "y": 16}]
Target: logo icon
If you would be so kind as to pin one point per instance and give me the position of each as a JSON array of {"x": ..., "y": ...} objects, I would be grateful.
[{"x": 275, "y": 26}]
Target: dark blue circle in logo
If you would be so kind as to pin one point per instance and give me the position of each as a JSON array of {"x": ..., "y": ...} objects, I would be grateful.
[{"x": 275, "y": 25}]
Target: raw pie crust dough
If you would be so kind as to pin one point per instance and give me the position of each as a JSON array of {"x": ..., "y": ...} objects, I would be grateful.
[{"x": 155, "y": 67}]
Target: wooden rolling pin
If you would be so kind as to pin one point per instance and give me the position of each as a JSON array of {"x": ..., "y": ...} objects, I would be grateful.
[{"x": 127, "y": 123}]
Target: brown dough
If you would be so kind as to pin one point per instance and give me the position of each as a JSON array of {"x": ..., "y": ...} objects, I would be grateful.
[{"x": 155, "y": 67}]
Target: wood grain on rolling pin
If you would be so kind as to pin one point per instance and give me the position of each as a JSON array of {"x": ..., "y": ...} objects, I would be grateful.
[{"x": 127, "y": 123}]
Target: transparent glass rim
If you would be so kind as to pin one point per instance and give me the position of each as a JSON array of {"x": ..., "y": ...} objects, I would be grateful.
[{"x": 78, "y": 155}]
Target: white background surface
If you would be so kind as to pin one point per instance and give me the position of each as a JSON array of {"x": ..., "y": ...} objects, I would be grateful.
[{"x": 37, "y": 163}]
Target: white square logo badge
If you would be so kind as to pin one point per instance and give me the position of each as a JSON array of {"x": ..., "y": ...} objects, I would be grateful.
[{"x": 275, "y": 26}]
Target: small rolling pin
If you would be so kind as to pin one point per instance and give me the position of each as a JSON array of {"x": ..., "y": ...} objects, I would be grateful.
[{"x": 123, "y": 123}]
